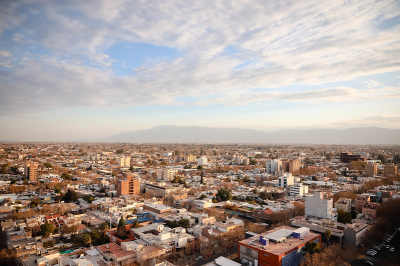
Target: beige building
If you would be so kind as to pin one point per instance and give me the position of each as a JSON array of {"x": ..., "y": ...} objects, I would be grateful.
[
  {"x": 343, "y": 204},
  {"x": 129, "y": 186},
  {"x": 189, "y": 158},
  {"x": 291, "y": 166},
  {"x": 371, "y": 169},
  {"x": 124, "y": 161},
  {"x": 390, "y": 169},
  {"x": 31, "y": 171},
  {"x": 166, "y": 174}
]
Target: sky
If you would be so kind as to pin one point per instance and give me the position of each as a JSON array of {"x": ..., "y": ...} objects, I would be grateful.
[{"x": 85, "y": 70}]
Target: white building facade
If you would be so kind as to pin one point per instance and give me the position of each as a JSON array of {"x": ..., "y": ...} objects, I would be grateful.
[
  {"x": 202, "y": 160},
  {"x": 318, "y": 206},
  {"x": 298, "y": 190},
  {"x": 272, "y": 166},
  {"x": 286, "y": 180}
]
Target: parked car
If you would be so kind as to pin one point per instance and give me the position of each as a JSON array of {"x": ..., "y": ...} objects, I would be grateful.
[
  {"x": 376, "y": 248},
  {"x": 199, "y": 258},
  {"x": 369, "y": 263},
  {"x": 391, "y": 250}
]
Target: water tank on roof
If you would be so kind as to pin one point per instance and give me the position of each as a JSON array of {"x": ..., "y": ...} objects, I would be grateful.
[{"x": 264, "y": 241}]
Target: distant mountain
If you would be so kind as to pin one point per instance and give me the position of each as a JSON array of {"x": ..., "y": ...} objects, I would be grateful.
[{"x": 192, "y": 134}]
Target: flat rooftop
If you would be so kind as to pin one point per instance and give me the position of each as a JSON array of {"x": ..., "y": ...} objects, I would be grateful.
[{"x": 278, "y": 248}]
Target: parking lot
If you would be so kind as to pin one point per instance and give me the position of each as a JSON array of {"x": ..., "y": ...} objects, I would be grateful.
[{"x": 383, "y": 256}]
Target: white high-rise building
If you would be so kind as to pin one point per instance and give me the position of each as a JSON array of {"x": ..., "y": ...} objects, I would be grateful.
[
  {"x": 125, "y": 161},
  {"x": 166, "y": 174},
  {"x": 318, "y": 206},
  {"x": 298, "y": 190},
  {"x": 272, "y": 166},
  {"x": 202, "y": 160},
  {"x": 286, "y": 180}
]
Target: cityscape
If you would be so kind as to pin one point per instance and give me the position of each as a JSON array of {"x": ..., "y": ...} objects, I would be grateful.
[{"x": 200, "y": 133}]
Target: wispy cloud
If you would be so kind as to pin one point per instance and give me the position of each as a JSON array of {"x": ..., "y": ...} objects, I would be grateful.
[
  {"x": 377, "y": 120},
  {"x": 278, "y": 44}
]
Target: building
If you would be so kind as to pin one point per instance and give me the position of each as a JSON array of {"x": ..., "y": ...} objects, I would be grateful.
[
  {"x": 347, "y": 157},
  {"x": 189, "y": 158},
  {"x": 31, "y": 171},
  {"x": 370, "y": 209},
  {"x": 318, "y": 206},
  {"x": 279, "y": 247},
  {"x": 202, "y": 204},
  {"x": 129, "y": 186},
  {"x": 361, "y": 201},
  {"x": 371, "y": 169},
  {"x": 202, "y": 160},
  {"x": 390, "y": 169},
  {"x": 166, "y": 174},
  {"x": 298, "y": 190},
  {"x": 272, "y": 166},
  {"x": 353, "y": 234},
  {"x": 343, "y": 204},
  {"x": 286, "y": 180},
  {"x": 291, "y": 165},
  {"x": 160, "y": 191},
  {"x": 124, "y": 161}
]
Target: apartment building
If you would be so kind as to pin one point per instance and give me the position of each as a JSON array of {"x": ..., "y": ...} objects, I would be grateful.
[
  {"x": 202, "y": 160},
  {"x": 189, "y": 158},
  {"x": 361, "y": 201},
  {"x": 128, "y": 186},
  {"x": 347, "y": 157},
  {"x": 291, "y": 165},
  {"x": 343, "y": 204},
  {"x": 160, "y": 191},
  {"x": 271, "y": 166},
  {"x": 278, "y": 247},
  {"x": 371, "y": 169},
  {"x": 298, "y": 190},
  {"x": 124, "y": 161},
  {"x": 370, "y": 209},
  {"x": 166, "y": 174},
  {"x": 318, "y": 206},
  {"x": 390, "y": 169},
  {"x": 286, "y": 180},
  {"x": 31, "y": 171}
]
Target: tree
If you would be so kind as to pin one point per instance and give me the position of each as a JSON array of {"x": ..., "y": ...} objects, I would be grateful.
[
  {"x": 47, "y": 229},
  {"x": 344, "y": 217},
  {"x": 66, "y": 176},
  {"x": 48, "y": 244},
  {"x": 121, "y": 229},
  {"x": 70, "y": 196},
  {"x": 255, "y": 191},
  {"x": 4, "y": 168},
  {"x": 253, "y": 162},
  {"x": 185, "y": 223},
  {"x": 312, "y": 247},
  {"x": 87, "y": 239},
  {"x": 327, "y": 235},
  {"x": 200, "y": 167},
  {"x": 89, "y": 199},
  {"x": 202, "y": 196},
  {"x": 48, "y": 165},
  {"x": 136, "y": 224},
  {"x": 201, "y": 177},
  {"x": 224, "y": 195},
  {"x": 57, "y": 189},
  {"x": 35, "y": 202},
  {"x": 382, "y": 158}
]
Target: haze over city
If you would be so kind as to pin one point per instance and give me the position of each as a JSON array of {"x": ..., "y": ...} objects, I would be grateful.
[{"x": 87, "y": 70}]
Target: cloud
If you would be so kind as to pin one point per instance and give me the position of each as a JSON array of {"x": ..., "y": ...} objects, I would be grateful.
[
  {"x": 377, "y": 120},
  {"x": 277, "y": 44},
  {"x": 4, "y": 53}
]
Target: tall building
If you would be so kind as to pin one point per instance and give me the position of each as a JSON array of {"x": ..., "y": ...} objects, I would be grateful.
[
  {"x": 390, "y": 169},
  {"x": 31, "y": 171},
  {"x": 189, "y": 158},
  {"x": 272, "y": 166},
  {"x": 281, "y": 246},
  {"x": 128, "y": 186},
  {"x": 298, "y": 190},
  {"x": 286, "y": 180},
  {"x": 343, "y": 204},
  {"x": 124, "y": 161},
  {"x": 347, "y": 157},
  {"x": 371, "y": 169},
  {"x": 202, "y": 160},
  {"x": 318, "y": 206},
  {"x": 291, "y": 165},
  {"x": 166, "y": 174}
]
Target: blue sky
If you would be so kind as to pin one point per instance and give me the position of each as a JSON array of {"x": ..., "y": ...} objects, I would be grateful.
[{"x": 84, "y": 70}]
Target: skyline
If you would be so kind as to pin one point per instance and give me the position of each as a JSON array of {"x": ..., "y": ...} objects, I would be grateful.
[{"x": 83, "y": 71}]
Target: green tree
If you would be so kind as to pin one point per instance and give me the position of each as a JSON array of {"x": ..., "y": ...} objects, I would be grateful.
[
  {"x": 253, "y": 162},
  {"x": 255, "y": 191},
  {"x": 121, "y": 229},
  {"x": 66, "y": 176},
  {"x": 382, "y": 158},
  {"x": 46, "y": 229},
  {"x": 201, "y": 177},
  {"x": 224, "y": 194},
  {"x": 57, "y": 189},
  {"x": 4, "y": 168},
  {"x": 202, "y": 196},
  {"x": 48, "y": 244},
  {"x": 200, "y": 167},
  {"x": 87, "y": 238},
  {"x": 312, "y": 247},
  {"x": 327, "y": 235},
  {"x": 136, "y": 224},
  {"x": 48, "y": 165},
  {"x": 185, "y": 223},
  {"x": 89, "y": 199},
  {"x": 35, "y": 202},
  {"x": 13, "y": 182},
  {"x": 70, "y": 196}
]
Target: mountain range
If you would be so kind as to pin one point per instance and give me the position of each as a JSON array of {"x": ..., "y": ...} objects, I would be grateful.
[{"x": 195, "y": 134}]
